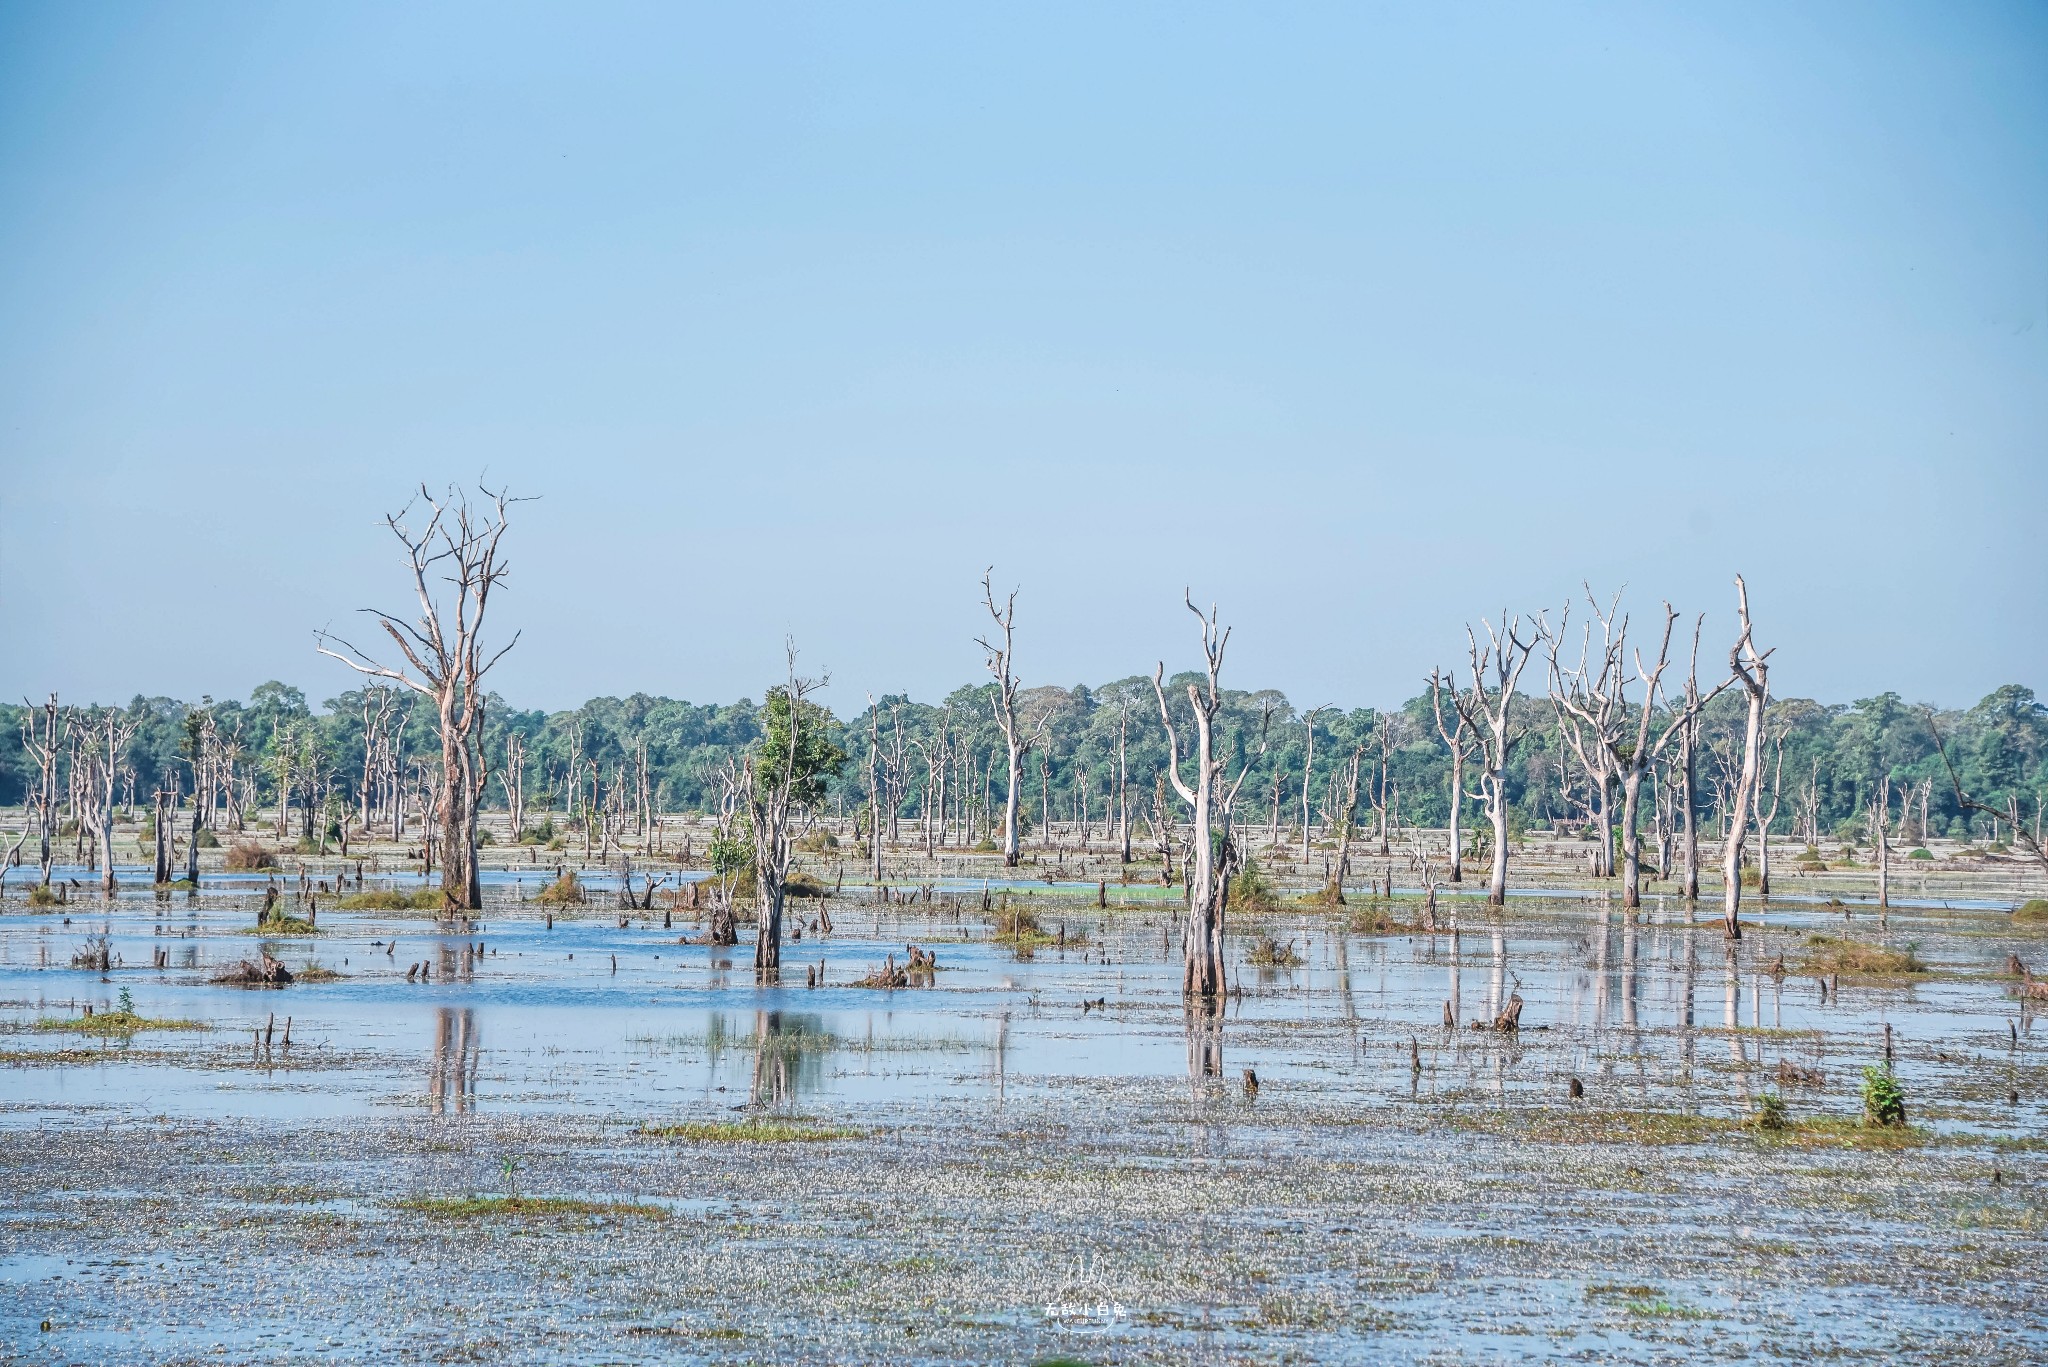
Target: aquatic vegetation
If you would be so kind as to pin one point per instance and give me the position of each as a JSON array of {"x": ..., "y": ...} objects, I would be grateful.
[
  {"x": 556, "y": 1207},
  {"x": 1250, "y": 890},
  {"x": 392, "y": 899},
  {"x": 41, "y": 896},
  {"x": 1884, "y": 1101},
  {"x": 1771, "y": 1113},
  {"x": 565, "y": 891},
  {"x": 759, "y": 1130},
  {"x": 120, "y": 1024},
  {"x": 282, "y": 923},
  {"x": 246, "y": 856},
  {"x": 1267, "y": 952},
  {"x": 2032, "y": 912},
  {"x": 1853, "y": 957}
]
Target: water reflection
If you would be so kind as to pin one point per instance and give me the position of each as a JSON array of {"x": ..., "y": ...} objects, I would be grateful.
[
  {"x": 451, "y": 1083},
  {"x": 1205, "y": 1040},
  {"x": 789, "y": 1050}
]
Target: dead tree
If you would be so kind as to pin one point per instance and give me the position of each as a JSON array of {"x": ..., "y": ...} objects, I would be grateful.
[
  {"x": 2012, "y": 813},
  {"x": 513, "y": 780},
  {"x": 1768, "y": 817},
  {"x": 1487, "y": 707},
  {"x": 1458, "y": 739},
  {"x": 1592, "y": 713},
  {"x": 1751, "y": 668},
  {"x": 1213, "y": 859},
  {"x": 1880, "y": 837},
  {"x": 108, "y": 735},
  {"x": 1308, "y": 768},
  {"x": 1597, "y": 717},
  {"x": 42, "y": 741},
  {"x": 445, "y": 659},
  {"x": 1017, "y": 738}
]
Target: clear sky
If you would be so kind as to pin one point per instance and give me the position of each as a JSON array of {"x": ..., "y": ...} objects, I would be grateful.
[{"x": 1361, "y": 320}]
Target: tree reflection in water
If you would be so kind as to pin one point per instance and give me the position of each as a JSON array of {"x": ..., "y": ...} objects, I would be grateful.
[{"x": 456, "y": 1051}]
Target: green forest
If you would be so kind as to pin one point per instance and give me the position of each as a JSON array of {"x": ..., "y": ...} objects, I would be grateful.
[{"x": 1823, "y": 761}]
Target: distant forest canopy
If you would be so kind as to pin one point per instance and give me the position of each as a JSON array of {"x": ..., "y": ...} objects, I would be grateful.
[{"x": 1830, "y": 761}]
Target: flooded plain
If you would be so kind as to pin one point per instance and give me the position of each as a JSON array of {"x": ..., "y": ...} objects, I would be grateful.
[{"x": 535, "y": 1141}]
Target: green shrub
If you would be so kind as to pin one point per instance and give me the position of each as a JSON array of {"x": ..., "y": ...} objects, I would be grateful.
[
  {"x": 40, "y": 896},
  {"x": 1884, "y": 1101},
  {"x": 1771, "y": 1113},
  {"x": 1921, "y": 853},
  {"x": 563, "y": 892},
  {"x": 2032, "y": 912},
  {"x": 207, "y": 839},
  {"x": 484, "y": 837},
  {"x": 1249, "y": 890}
]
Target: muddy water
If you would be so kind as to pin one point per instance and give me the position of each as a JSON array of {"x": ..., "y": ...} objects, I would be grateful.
[{"x": 1048, "y": 1143}]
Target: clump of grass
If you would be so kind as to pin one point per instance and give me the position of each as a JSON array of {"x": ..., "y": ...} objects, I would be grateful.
[
  {"x": 1921, "y": 853},
  {"x": 118, "y": 1024},
  {"x": 487, "y": 1207},
  {"x": 392, "y": 899},
  {"x": 563, "y": 892},
  {"x": 1770, "y": 1113},
  {"x": 2033, "y": 912},
  {"x": 1267, "y": 952},
  {"x": 316, "y": 972},
  {"x": 42, "y": 896},
  {"x": 1251, "y": 891},
  {"x": 759, "y": 1131},
  {"x": 1884, "y": 1101},
  {"x": 280, "y": 923},
  {"x": 1374, "y": 921},
  {"x": 246, "y": 856},
  {"x": 1831, "y": 955},
  {"x": 1018, "y": 925},
  {"x": 1331, "y": 894},
  {"x": 818, "y": 842},
  {"x": 803, "y": 885}
]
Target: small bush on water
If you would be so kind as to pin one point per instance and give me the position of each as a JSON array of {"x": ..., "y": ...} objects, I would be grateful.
[
  {"x": 41, "y": 896},
  {"x": 1771, "y": 1113},
  {"x": 1267, "y": 952},
  {"x": 248, "y": 856},
  {"x": 1921, "y": 853},
  {"x": 207, "y": 839},
  {"x": 1250, "y": 891},
  {"x": 2033, "y": 912},
  {"x": 563, "y": 892},
  {"x": 1884, "y": 1101}
]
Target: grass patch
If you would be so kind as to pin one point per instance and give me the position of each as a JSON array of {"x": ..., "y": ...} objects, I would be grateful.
[
  {"x": 1267, "y": 952},
  {"x": 393, "y": 899},
  {"x": 547, "y": 1207},
  {"x": 319, "y": 973},
  {"x": 119, "y": 1024},
  {"x": 1580, "y": 1126},
  {"x": 40, "y": 896},
  {"x": 280, "y": 924},
  {"x": 750, "y": 1132},
  {"x": 246, "y": 856},
  {"x": 1856, "y": 959},
  {"x": 2033, "y": 912}
]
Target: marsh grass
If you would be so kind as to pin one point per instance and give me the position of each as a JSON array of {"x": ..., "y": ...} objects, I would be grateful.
[
  {"x": 1267, "y": 952},
  {"x": 790, "y": 1130},
  {"x": 118, "y": 1024},
  {"x": 1853, "y": 958},
  {"x": 392, "y": 899},
  {"x": 280, "y": 924},
  {"x": 545, "y": 1207},
  {"x": 2033, "y": 912},
  {"x": 246, "y": 856}
]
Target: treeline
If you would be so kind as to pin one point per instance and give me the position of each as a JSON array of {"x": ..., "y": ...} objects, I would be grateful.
[{"x": 1096, "y": 748}]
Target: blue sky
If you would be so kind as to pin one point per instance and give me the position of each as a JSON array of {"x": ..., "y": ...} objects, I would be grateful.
[{"x": 1360, "y": 320}]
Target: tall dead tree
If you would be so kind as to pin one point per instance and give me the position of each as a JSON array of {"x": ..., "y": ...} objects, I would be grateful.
[
  {"x": 107, "y": 735},
  {"x": 445, "y": 659},
  {"x": 1752, "y": 671},
  {"x": 1488, "y": 709},
  {"x": 1213, "y": 856},
  {"x": 1458, "y": 740},
  {"x": 1017, "y": 737},
  {"x": 42, "y": 740},
  {"x": 1623, "y": 736},
  {"x": 1308, "y": 768}
]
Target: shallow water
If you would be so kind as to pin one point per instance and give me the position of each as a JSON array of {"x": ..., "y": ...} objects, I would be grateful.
[{"x": 558, "y": 1043}]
